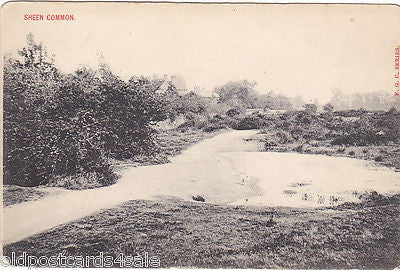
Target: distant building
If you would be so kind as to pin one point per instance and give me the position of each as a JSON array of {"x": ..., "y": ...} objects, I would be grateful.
[{"x": 175, "y": 82}]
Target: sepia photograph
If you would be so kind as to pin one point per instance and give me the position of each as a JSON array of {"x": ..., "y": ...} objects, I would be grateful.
[{"x": 200, "y": 135}]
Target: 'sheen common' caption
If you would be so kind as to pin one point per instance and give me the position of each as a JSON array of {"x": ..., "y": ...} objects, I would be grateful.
[{"x": 49, "y": 17}]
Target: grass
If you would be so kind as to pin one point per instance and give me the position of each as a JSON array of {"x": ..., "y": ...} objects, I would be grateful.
[
  {"x": 391, "y": 158},
  {"x": 370, "y": 136},
  {"x": 15, "y": 194},
  {"x": 173, "y": 142},
  {"x": 385, "y": 155},
  {"x": 169, "y": 143},
  {"x": 189, "y": 234}
]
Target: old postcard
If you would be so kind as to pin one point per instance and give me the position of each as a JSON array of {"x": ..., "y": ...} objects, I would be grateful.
[{"x": 200, "y": 135}]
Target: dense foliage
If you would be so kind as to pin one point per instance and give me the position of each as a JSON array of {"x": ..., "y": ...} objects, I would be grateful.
[
  {"x": 346, "y": 128},
  {"x": 241, "y": 95},
  {"x": 70, "y": 125}
]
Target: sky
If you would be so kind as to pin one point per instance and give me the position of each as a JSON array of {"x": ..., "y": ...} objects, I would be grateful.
[{"x": 306, "y": 50}]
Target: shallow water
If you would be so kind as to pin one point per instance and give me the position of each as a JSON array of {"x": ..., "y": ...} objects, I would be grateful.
[{"x": 303, "y": 180}]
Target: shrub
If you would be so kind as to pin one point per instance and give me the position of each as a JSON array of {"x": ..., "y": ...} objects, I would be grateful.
[
  {"x": 232, "y": 112},
  {"x": 299, "y": 148},
  {"x": 328, "y": 108},
  {"x": 303, "y": 118},
  {"x": 269, "y": 144},
  {"x": 249, "y": 122},
  {"x": 310, "y": 108},
  {"x": 213, "y": 127},
  {"x": 341, "y": 150},
  {"x": 58, "y": 125},
  {"x": 283, "y": 137}
]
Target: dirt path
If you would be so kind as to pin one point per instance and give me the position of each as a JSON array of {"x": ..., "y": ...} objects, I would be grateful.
[{"x": 200, "y": 170}]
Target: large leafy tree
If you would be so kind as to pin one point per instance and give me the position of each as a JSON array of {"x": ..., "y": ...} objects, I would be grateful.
[
  {"x": 30, "y": 85},
  {"x": 240, "y": 94}
]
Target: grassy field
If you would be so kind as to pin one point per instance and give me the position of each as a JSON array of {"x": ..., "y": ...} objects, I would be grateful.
[{"x": 186, "y": 234}]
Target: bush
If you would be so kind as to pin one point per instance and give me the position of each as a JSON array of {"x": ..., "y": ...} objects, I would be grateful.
[
  {"x": 360, "y": 137},
  {"x": 213, "y": 127},
  {"x": 303, "y": 118},
  {"x": 341, "y": 150},
  {"x": 232, "y": 112},
  {"x": 269, "y": 144},
  {"x": 299, "y": 148},
  {"x": 283, "y": 137},
  {"x": 249, "y": 122},
  {"x": 58, "y": 125}
]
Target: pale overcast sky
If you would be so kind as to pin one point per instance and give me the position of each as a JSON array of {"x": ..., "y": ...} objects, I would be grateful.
[{"x": 306, "y": 50}]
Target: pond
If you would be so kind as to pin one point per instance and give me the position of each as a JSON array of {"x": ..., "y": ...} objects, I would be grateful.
[{"x": 303, "y": 180}]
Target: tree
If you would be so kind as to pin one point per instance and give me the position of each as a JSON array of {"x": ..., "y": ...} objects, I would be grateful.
[
  {"x": 357, "y": 101},
  {"x": 281, "y": 102},
  {"x": 339, "y": 101},
  {"x": 297, "y": 102},
  {"x": 328, "y": 108},
  {"x": 310, "y": 108},
  {"x": 34, "y": 56},
  {"x": 240, "y": 95}
]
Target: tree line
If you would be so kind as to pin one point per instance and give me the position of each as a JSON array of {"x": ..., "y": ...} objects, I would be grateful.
[{"x": 60, "y": 125}]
